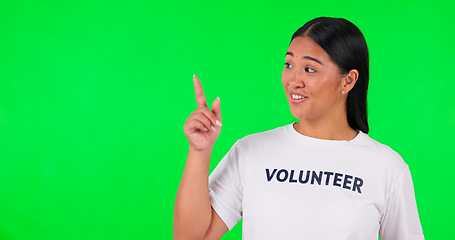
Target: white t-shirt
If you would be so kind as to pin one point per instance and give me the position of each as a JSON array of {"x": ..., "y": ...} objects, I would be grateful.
[{"x": 289, "y": 186}]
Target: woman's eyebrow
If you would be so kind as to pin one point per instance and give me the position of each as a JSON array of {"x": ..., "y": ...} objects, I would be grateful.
[
  {"x": 305, "y": 57},
  {"x": 313, "y": 59}
]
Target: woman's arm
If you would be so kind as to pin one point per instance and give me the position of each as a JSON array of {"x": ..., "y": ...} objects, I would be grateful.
[{"x": 194, "y": 217}]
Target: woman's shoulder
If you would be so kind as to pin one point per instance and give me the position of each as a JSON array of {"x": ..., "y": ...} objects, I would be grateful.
[
  {"x": 386, "y": 154},
  {"x": 274, "y": 134},
  {"x": 273, "y": 138}
]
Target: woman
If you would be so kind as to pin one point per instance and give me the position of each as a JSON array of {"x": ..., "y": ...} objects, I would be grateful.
[{"x": 320, "y": 178}]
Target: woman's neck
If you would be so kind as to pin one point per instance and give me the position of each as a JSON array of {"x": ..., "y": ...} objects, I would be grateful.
[{"x": 330, "y": 128}]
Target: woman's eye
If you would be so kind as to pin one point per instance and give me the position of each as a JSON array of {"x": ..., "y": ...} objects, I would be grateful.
[
  {"x": 309, "y": 70},
  {"x": 287, "y": 65}
]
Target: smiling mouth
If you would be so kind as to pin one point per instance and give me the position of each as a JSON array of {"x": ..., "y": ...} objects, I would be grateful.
[{"x": 297, "y": 97}]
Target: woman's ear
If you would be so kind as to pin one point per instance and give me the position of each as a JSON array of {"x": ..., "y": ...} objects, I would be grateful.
[{"x": 349, "y": 80}]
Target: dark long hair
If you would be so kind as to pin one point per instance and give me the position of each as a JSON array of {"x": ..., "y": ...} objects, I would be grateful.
[{"x": 347, "y": 47}]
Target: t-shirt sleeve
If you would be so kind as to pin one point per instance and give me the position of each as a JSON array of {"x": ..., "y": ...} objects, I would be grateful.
[
  {"x": 225, "y": 188},
  {"x": 401, "y": 219}
]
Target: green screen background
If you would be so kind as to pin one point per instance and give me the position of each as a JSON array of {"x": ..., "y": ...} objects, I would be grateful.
[{"x": 94, "y": 95}]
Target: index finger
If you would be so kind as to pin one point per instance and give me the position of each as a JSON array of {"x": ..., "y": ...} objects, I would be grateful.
[{"x": 200, "y": 97}]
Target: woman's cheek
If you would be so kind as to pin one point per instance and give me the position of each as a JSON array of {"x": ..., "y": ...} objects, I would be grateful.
[{"x": 286, "y": 76}]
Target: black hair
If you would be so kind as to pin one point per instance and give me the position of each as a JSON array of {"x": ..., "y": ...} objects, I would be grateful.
[{"x": 347, "y": 47}]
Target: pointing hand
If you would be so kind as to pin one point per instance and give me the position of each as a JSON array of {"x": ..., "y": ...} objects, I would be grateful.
[{"x": 203, "y": 126}]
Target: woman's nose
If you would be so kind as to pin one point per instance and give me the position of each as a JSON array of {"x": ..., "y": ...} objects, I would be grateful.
[{"x": 297, "y": 81}]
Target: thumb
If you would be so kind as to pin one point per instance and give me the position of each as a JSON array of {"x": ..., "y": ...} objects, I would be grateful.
[{"x": 216, "y": 108}]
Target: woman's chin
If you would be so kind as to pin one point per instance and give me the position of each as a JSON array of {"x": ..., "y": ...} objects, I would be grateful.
[{"x": 298, "y": 114}]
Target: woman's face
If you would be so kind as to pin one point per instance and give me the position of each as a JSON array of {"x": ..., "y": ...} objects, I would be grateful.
[{"x": 311, "y": 80}]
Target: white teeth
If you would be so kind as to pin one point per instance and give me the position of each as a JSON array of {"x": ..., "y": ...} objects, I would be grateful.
[{"x": 296, "y": 96}]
